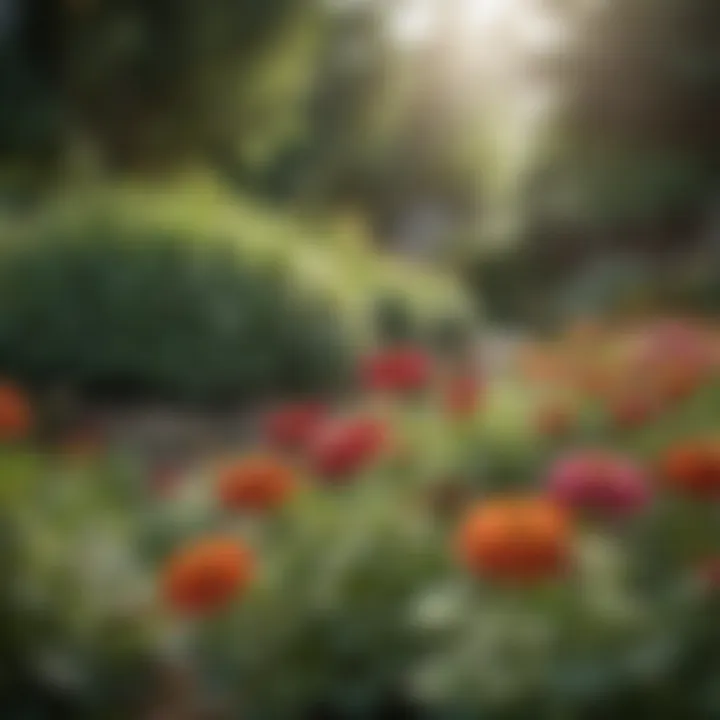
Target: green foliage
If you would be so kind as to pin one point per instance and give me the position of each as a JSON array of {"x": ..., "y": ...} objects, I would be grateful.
[
  {"x": 75, "y": 588},
  {"x": 154, "y": 83},
  {"x": 624, "y": 285},
  {"x": 186, "y": 295},
  {"x": 327, "y": 623},
  {"x": 179, "y": 312},
  {"x": 357, "y": 597},
  {"x": 416, "y": 305},
  {"x": 636, "y": 139}
]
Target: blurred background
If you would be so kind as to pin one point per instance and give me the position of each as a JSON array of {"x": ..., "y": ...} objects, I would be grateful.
[
  {"x": 209, "y": 207},
  {"x": 550, "y": 154}
]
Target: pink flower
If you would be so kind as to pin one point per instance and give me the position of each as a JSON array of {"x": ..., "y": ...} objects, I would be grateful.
[{"x": 599, "y": 482}]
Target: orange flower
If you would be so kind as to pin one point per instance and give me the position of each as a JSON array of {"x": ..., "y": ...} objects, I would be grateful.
[
  {"x": 694, "y": 468},
  {"x": 15, "y": 413},
  {"x": 206, "y": 576},
  {"x": 255, "y": 484},
  {"x": 515, "y": 539}
]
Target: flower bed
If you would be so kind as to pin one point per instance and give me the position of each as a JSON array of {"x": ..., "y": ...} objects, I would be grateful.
[{"x": 539, "y": 544}]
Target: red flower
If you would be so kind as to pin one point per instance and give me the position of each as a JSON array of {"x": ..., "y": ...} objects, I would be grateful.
[
  {"x": 515, "y": 539},
  {"x": 346, "y": 446},
  {"x": 255, "y": 484},
  {"x": 16, "y": 416},
  {"x": 693, "y": 467},
  {"x": 598, "y": 481},
  {"x": 290, "y": 427},
  {"x": 463, "y": 395},
  {"x": 207, "y": 575},
  {"x": 398, "y": 370}
]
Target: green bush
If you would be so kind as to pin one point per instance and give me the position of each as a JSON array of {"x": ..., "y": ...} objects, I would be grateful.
[
  {"x": 186, "y": 296},
  {"x": 156, "y": 314}
]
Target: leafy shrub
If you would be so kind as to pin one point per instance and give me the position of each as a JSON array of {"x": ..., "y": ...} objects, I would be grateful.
[
  {"x": 155, "y": 314},
  {"x": 71, "y": 638},
  {"x": 181, "y": 296}
]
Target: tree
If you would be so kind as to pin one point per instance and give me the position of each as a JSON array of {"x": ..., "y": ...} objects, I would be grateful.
[
  {"x": 154, "y": 82},
  {"x": 638, "y": 139}
]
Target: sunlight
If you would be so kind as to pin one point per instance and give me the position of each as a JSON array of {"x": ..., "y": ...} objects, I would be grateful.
[
  {"x": 412, "y": 21},
  {"x": 485, "y": 13},
  {"x": 527, "y": 24},
  {"x": 494, "y": 58}
]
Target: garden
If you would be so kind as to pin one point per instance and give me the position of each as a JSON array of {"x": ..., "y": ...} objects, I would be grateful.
[
  {"x": 441, "y": 543},
  {"x": 359, "y": 359}
]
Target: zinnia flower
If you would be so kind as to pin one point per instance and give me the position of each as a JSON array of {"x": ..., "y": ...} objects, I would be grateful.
[
  {"x": 206, "y": 576},
  {"x": 399, "y": 370},
  {"x": 290, "y": 427},
  {"x": 16, "y": 415},
  {"x": 255, "y": 484},
  {"x": 599, "y": 482},
  {"x": 693, "y": 468},
  {"x": 346, "y": 446},
  {"x": 515, "y": 539}
]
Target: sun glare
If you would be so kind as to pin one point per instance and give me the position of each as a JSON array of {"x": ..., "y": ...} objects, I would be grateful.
[{"x": 527, "y": 24}]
